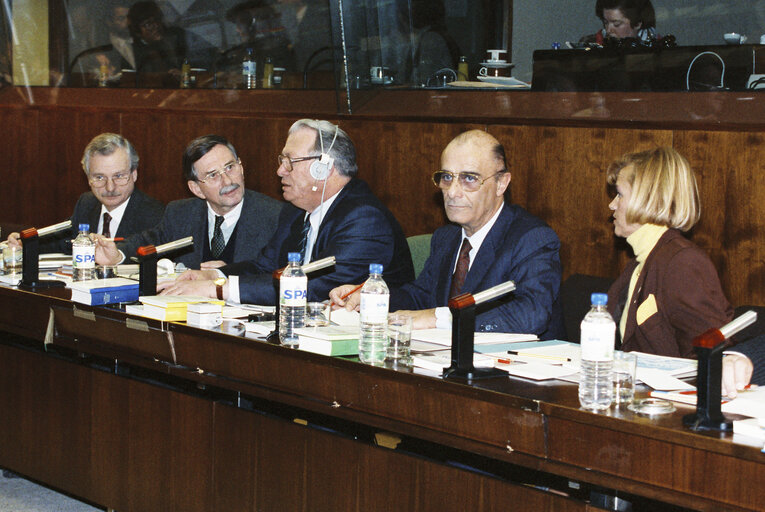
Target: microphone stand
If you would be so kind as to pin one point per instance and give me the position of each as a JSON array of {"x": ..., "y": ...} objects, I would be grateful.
[
  {"x": 30, "y": 263},
  {"x": 148, "y": 255},
  {"x": 463, "y": 333}
]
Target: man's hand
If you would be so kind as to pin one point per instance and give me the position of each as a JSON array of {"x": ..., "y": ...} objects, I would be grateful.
[
  {"x": 14, "y": 240},
  {"x": 351, "y": 303},
  {"x": 421, "y": 319},
  {"x": 198, "y": 275},
  {"x": 203, "y": 288},
  {"x": 736, "y": 373},
  {"x": 106, "y": 250},
  {"x": 212, "y": 264}
]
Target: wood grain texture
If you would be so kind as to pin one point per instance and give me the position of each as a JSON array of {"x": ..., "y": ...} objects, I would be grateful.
[{"x": 558, "y": 152}]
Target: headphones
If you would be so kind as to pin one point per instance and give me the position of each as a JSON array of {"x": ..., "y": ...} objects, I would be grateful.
[
  {"x": 690, "y": 66},
  {"x": 321, "y": 168}
]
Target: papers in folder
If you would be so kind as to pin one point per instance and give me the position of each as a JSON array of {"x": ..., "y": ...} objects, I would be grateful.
[{"x": 444, "y": 337}]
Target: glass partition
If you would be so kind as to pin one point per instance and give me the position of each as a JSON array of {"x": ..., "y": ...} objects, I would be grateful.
[{"x": 360, "y": 45}]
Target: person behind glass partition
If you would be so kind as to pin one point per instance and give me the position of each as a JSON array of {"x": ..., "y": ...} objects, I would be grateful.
[
  {"x": 670, "y": 292},
  {"x": 260, "y": 29},
  {"x": 309, "y": 31},
  {"x": 629, "y": 20},
  {"x": 157, "y": 47},
  {"x": 428, "y": 45}
]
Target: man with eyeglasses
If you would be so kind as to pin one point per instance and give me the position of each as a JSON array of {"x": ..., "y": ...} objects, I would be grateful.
[
  {"x": 490, "y": 241},
  {"x": 113, "y": 207},
  {"x": 332, "y": 213},
  {"x": 228, "y": 222}
]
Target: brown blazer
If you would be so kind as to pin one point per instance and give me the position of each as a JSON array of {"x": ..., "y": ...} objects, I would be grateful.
[{"x": 687, "y": 295}]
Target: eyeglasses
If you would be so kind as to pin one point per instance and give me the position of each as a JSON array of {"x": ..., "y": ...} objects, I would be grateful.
[
  {"x": 287, "y": 161},
  {"x": 214, "y": 176},
  {"x": 469, "y": 181},
  {"x": 99, "y": 180},
  {"x": 149, "y": 23}
]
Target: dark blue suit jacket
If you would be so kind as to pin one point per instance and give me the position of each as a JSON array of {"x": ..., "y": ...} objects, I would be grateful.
[
  {"x": 754, "y": 349},
  {"x": 357, "y": 230},
  {"x": 142, "y": 212},
  {"x": 186, "y": 217},
  {"x": 519, "y": 247}
]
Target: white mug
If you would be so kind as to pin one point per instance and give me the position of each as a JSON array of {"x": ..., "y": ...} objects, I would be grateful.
[
  {"x": 498, "y": 55},
  {"x": 378, "y": 73}
]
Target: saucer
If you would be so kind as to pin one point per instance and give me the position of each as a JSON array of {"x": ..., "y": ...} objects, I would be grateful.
[
  {"x": 504, "y": 81},
  {"x": 503, "y": 64},
  {"x": 382, "y": 81}
]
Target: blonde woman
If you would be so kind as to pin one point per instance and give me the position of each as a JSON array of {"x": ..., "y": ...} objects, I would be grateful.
[{"x": 670, "y": 291}]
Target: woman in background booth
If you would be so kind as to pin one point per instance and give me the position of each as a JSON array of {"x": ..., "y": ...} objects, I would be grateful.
[
  {"x": 670, "y": 292},
  {"x": 624, "y": 20}
]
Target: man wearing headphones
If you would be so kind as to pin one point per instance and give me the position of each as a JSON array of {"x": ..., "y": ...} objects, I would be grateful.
[
  {"x": 332, "y": 213},
  {"x": 228, "y": 222}
]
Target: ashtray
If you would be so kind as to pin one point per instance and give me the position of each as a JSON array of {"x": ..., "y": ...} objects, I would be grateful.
[{"x": 651, "y": 406}]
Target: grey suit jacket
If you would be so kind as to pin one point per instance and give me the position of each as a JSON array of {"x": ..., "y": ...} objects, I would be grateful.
[
  {"x": 186, "y": 217},
  {"x": 142, "y": 212}
]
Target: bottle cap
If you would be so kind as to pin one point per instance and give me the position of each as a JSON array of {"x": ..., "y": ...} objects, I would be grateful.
[
  {"x": 293, "y": 257},
  {"x": 375, "y": 268},
  {"x": 84, "y": 227},
  {"x": 599, "y": 299}
]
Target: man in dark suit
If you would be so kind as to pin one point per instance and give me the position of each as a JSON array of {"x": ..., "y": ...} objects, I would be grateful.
[
  {"x": 332, "y": 213},
  {"x": 228, "y": 222},
  {"x": 490, "y": 242},
  {"x": 113, "y": 207}
]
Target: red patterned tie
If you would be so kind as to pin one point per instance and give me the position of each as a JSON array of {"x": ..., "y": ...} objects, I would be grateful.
[{"x": 463, "y": 263}]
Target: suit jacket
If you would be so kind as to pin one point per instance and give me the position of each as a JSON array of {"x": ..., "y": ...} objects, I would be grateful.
[
  {"x": 186, "y": 217},
  {"x": 519, "y": 247},
  {"x": 357, "y": 230},
  {"x": 679, "y": 294},
  {"x": 754, "y": 349},
  {"x": 142, "y": 212}
]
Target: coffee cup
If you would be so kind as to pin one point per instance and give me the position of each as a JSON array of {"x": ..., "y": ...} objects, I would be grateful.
[
  {"x": 734, "y": 38},
  {"x": 490, "y": 71},
  {"x": 499, "y": 56}
]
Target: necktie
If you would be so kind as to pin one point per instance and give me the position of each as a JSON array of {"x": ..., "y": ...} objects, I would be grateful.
[
  {"x": 304, "y": 237},
  {"x": 218, "y": 243},
  {"x": 105, "y": 231},
  {"x": 463, "y": 263}
]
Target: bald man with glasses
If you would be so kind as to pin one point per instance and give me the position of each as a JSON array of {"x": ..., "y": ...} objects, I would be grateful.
[
  {"x": 490, "y": 241},
  {"x": 228, "y": 222},
  {"x": 114, "y": 207}
]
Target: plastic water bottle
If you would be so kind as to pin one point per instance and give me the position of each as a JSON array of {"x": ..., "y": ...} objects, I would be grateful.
[
  {"x": 249, "y": 70},
  {"x": 598, "y": 331},
  {"x": 292, "y": 300},
  {"x": 83, "y": 256},
  {"x": 375, "y": 299}
]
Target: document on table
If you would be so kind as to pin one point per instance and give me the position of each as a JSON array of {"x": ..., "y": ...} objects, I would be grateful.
[{"x": 444, "y": 337}]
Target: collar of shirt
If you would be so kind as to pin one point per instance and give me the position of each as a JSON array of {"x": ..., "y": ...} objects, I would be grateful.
[
  {"x": 229, "y": 221},
  {"x": 316, "y": 217},
  {"x": 644, "y": 239},
  {"x": 116, "y": 215},
  {"x": 478, "y": 237}
]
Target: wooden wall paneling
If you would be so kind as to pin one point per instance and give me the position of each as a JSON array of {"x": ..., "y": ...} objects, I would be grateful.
[
  {"x": 333, "y": 472},
  {"x": 45, "y": 404},
  {"x": 397, "y": 159},
  {"x": 141, "y": 429},
  {"x": 389, "y": 480},
  {"x": 236, "y": 450},
  {"x": 559, "y": 175},
  {"x": 282, "y": 449},
  {"x": 21, "y": 168},
  {"x": 730, "y": 171}
]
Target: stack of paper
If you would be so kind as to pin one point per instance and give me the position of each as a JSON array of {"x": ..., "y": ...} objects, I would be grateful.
[
  {"x": 170, "y": 308},
  {"x": 105, "y": 291}
]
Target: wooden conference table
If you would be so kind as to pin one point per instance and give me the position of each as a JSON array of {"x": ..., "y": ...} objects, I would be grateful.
[{"x": 140, "y": 415}]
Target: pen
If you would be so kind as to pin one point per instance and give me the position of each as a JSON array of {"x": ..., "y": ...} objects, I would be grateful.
[
  {"x": 354, "y": 290},
  {"x": 117, "y": 239},
  {"x": 540, "y": 356}
]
